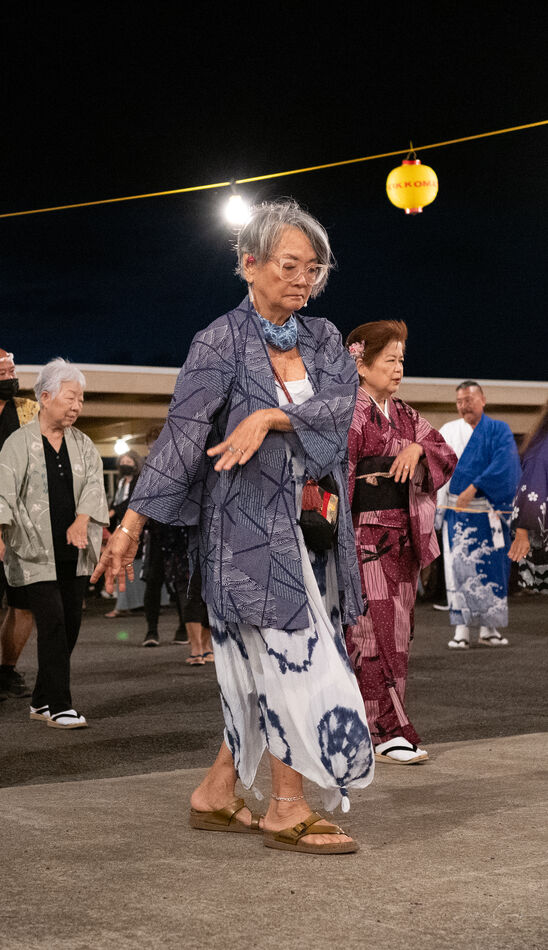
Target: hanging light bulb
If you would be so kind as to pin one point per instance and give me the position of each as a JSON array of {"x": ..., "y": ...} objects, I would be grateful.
[
  {"x": 412, "y": 185},
  {"x": 121, "y": 446},
  {"x": 237, "y": 209}
]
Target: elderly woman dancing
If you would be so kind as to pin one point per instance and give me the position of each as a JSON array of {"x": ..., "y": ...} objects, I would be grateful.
[
  {"x": 397, "y": 462},
  {"x": 268, "y": 393},
  {"x": 52, "y": 509}
]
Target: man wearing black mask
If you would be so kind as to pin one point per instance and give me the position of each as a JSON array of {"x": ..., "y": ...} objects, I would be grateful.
[{"x": 17, "y": 625}]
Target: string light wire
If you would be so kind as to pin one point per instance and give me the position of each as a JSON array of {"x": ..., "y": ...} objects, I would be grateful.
[{"x": 294, "y": 171}]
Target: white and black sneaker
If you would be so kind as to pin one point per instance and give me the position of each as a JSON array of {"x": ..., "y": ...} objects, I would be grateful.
[{"x": 152, "y": 639}]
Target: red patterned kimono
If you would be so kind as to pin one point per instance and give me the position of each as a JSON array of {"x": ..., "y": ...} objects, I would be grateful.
[{"x": 392, "y": 545}]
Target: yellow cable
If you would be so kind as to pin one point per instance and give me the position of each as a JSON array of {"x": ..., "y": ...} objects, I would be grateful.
[{"x": 295, "y": 171}]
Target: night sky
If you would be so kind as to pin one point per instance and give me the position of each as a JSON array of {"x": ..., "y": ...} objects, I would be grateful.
[{"x": 101, "y": 105}]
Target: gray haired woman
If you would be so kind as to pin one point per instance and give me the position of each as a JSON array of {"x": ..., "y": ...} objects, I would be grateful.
[
  {"x": 269, "y": 393},
  {"x": 52, "y": 509}
]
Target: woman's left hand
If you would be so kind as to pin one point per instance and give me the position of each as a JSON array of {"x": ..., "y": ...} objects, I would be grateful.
[
  {"x": 520, "y": 546},
  {"x": 405, "y": 463},
  {"x": 243, "y": 442},
  {"x": 77, "y": 532}
]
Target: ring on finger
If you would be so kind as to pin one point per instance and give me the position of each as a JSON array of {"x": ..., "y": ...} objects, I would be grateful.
[{"x": 232, "y": 449}]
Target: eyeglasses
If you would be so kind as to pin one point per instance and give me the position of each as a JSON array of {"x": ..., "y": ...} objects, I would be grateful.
[{"x": 291, "y": 270}]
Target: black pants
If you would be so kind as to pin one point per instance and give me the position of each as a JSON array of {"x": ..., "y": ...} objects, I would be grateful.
[
  {"x": 57, "y": 609},
  {"x": 15, "y": 596},
  {"x": 3, "y": 584},
  {"x": 154, "y": 581},
  {"x": 189, "y": 603}
]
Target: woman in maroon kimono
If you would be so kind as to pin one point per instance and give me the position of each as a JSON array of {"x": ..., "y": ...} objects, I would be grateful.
[{"x": 397, "y": 463}]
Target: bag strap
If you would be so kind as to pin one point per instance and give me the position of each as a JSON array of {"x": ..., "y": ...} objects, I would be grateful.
[{"x": 279, "y": 379}]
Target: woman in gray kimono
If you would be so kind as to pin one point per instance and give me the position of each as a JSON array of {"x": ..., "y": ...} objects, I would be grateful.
[
  {"x": 263, "y": 402},
  {"x": 52, "y": 509}
]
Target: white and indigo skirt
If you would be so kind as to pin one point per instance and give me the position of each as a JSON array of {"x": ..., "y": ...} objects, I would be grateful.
[{"x": 295, "y": 693}]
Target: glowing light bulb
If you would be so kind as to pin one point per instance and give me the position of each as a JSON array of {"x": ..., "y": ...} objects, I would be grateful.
[
  {"x": 236, "y": 211},
  {"x": 121, "y": 447}
]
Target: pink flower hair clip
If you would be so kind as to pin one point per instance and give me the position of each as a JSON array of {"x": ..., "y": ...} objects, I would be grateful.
[{"x": 357, "y": 350}]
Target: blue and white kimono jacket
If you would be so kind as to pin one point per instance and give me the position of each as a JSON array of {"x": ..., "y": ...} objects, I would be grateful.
[
  {"x": 276, "y": 620},
  {"x": 476, "y": 542},
  {"x": 249, "y": 551}
]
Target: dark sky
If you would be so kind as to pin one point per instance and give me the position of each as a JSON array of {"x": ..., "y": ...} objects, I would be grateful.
[{"x": 99, "y": 105}]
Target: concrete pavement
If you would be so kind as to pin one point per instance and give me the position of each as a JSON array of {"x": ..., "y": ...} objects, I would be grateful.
[
  {"x": 452, "y": 856},
  {"x": 97, "y": 851}
]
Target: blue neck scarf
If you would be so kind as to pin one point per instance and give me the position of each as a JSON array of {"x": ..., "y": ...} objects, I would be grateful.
[{"x": 282, "y": 337}]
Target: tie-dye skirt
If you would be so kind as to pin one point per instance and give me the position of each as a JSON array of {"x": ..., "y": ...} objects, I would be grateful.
[{"x": 295, "y": 693}]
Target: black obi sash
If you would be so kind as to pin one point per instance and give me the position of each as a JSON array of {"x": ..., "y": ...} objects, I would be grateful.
[{"x": 378, "y": 494}]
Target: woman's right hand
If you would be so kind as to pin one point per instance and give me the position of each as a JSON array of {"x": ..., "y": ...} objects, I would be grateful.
[
  {"x": 406, "y": 461},
  {"x": 520, "y": 546},
  {"x": 243, "y": 441},
  {"x": 116, "y": 561}
]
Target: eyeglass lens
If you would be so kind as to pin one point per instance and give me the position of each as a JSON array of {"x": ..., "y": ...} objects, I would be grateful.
[{"x": 291, "y": 270}]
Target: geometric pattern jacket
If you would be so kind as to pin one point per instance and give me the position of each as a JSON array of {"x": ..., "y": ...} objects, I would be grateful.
[{"x": 244, "y": 520}]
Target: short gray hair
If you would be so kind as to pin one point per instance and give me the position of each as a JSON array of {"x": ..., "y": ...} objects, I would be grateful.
[
  {"x": 54, "y": 373},
  {"x": 260, "y": 235},
  {"x": 470, "y": 384}
]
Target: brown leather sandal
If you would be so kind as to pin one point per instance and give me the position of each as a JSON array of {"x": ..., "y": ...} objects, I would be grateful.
[
  {"x": 224, "y": 820},
  {"x": 291, "y": 839}
]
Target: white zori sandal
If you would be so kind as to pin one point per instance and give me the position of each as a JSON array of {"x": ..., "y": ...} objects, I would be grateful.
[
  {"x": 39, "y": 712},
  {"x": 461, "y": 638},
  {"x": 400, "y": 751},
  {"x": 69, "y": 719},
  {"x": 489, "y": 637}
]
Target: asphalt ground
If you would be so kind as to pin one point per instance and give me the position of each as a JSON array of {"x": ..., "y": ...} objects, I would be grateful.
[{"x": 148, "y": 711}]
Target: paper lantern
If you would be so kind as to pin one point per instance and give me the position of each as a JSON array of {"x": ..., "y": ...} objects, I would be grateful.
[{"x": 412, "y": 185}]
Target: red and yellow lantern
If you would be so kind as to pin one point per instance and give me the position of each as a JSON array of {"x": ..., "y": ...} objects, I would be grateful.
[{"x": 412, "y": 185}]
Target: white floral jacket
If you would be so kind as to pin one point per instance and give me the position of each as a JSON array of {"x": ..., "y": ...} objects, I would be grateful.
[{"x": 24, "y": 503}]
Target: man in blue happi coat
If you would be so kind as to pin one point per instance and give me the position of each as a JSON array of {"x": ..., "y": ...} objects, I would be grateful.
[{"x": 476, "y": 508}]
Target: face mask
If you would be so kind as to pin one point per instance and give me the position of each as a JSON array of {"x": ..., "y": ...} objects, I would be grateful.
[
  {"x": 8, "y": 388},
  {"x": 127, "y": 469}
]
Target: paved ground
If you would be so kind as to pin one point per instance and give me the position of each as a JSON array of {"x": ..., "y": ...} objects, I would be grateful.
[
  {"x": 149, "y": 711},
  {"x": 452, "y": 852}
]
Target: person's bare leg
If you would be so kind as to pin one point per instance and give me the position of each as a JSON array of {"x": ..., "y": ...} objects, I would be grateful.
[
  {"x": 194, "y": 631},
  {"x": 16, "y": 629},
  {"x": 207, "y": 646},
  {"x": 218, "y": 787},
  {"x": 287, "y": 783}
]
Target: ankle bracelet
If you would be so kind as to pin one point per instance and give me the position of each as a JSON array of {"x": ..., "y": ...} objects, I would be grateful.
[{"x": 292, "y": 798}]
